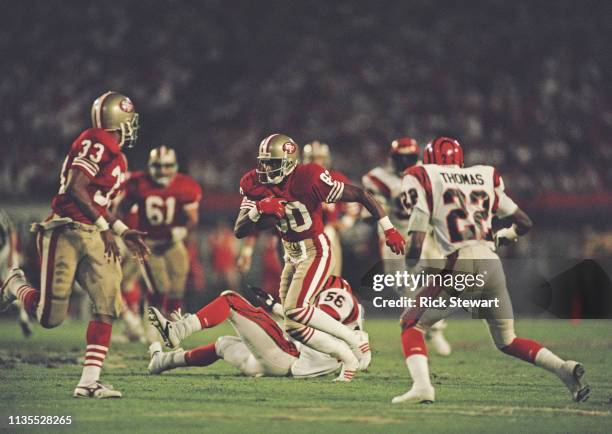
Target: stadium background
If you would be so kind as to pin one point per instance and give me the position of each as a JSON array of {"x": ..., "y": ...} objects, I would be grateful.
[{"x": 524, "y": 85}]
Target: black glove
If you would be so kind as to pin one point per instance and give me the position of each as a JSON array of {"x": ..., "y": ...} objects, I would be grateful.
[{"x": 258, "y": 297}]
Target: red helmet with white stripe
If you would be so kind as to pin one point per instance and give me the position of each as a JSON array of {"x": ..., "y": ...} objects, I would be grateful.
[
  {"x": 444, "y": 151},
  {"x": 404, "y": 153}
]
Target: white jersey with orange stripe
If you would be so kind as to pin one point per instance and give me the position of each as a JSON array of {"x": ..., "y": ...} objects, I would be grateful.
[
  {"x": 385, "y": 185},
  {"x": 460, "y": 202}
]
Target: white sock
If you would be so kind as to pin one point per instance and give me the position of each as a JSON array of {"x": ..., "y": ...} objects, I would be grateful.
[
  {"x": 336, "y": 348},
  {"x": 419, "y": 370},
  {"x": 193, "y": 324},
  {"x": 94, "y": 359},
  {"x": 548, "y": 360},
  {"x": 325, "y": 323},
  {"x": 90, "y": 375},
  {"x": 177, "y": 359}
]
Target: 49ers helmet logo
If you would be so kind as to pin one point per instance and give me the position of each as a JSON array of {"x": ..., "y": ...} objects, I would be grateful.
[
  {"x": 126, "y": 105},
  {"x": 289, "y": 147}
]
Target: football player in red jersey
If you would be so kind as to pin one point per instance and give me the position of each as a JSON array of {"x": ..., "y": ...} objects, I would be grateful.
[
  {"x": 168, "y": 204},
  {"x": 293, "y": 195},
  {"x": 337, "y": 217},
  {"x": 77, "y": 241}
]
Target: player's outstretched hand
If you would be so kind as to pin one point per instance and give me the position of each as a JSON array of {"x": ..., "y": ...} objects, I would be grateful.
[
  {"x": 506, "y": 236},
  {"x": 258, "y": 297},
  {"x": 395, "y": 241},
  {"x": 134, "y": 241},
  {"x": 111, "y": 249},
  {"x": 272, "y": 206}
]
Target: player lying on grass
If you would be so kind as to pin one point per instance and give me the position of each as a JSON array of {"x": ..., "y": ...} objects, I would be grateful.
[
  {"x": 459, "y": 203},
  {"x": 261, "y": 348}
]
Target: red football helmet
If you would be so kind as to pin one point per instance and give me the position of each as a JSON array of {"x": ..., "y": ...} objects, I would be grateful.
[
  {"x": 444, "y": 151},
  {"x": 404, "y": 153}
]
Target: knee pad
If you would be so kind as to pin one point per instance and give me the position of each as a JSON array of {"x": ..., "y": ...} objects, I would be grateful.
[{"x": 224, "y": 342}]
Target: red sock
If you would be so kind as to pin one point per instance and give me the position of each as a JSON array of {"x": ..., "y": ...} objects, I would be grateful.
[
  {"x": 201, "y": 356},
  {"x": 524, "y": 349},
  {"x": 413, "y": 342},
  {"x": 173, "y": 304},
  {"x": 98, "y": 338},
  {"x": 214, "y": 312},
  {"x": 29, "y": 298}
]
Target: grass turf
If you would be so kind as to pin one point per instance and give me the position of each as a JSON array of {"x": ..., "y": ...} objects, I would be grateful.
[{"x": 478, "y": 389}]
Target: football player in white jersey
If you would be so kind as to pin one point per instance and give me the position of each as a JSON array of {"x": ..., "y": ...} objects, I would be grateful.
[
  {"x": 261, "y": 348},
  {"x": 385, "y": 184},
  {"x": 459, "y": 203}
]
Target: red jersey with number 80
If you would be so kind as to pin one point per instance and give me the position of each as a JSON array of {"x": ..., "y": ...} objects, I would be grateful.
[
  {"x": 160, "y": 208},
  {"x": 305, "y": 190},
  {"x": 97, "y": 154}
]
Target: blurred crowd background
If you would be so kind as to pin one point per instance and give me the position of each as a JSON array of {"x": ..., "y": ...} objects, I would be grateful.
[{"x": 524, "y": 85}]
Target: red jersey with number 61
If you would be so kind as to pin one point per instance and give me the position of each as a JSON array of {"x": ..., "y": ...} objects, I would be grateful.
[
  {"x": 97, "y": 154},
  {"x": 305, "y": 190},
  {"x": 160, "y": 208}
]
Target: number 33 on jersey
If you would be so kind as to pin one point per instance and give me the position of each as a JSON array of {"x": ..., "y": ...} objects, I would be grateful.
[{"x": 98, "y": 155}]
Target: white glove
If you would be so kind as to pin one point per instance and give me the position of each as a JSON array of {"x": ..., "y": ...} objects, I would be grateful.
[
  {"x": 506, "y": 236},
  {"x": 179, "y": 233}
]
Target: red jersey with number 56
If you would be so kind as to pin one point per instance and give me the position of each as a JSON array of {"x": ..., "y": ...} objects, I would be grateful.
[
  {"x": 160, "y": 208},
  {"x": 305, "y": 190},
  {"x": 97, "y": 154}
]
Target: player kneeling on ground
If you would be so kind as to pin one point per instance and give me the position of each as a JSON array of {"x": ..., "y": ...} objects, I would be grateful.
[{"x": 261, "y": 348}]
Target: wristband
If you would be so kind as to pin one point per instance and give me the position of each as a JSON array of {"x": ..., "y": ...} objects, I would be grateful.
[
  {"x": 385, "y": 224},
  {"x": 101, "y": 224},
  {"x": 254, "y": 214},
  {"x": 119, "y": 228}
]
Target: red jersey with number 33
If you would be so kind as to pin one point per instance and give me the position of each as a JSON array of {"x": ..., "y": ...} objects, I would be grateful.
[
  {"x": 305, "y": 190},
  {"x": 96, "y": 154},
  {"x": 160, "y": 208}
]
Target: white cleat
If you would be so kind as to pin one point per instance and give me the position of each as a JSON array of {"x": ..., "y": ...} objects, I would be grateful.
[
  {"x": 420, "y": 395},
  {"x": 161, "y": 361},
  {"x": 15, "y": 280},
  {"x": 346, "y": 374},
  {"x": 571, "y": 373},
  {"x": 437, "y": 342},
  {"x": 96, "y": 390},
  {"x": 362, "y": 350},
  {"x": 172, "y": 332}
]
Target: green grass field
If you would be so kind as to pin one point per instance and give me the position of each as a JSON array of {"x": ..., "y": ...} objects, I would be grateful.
[{"x": 478, "y": 388}]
